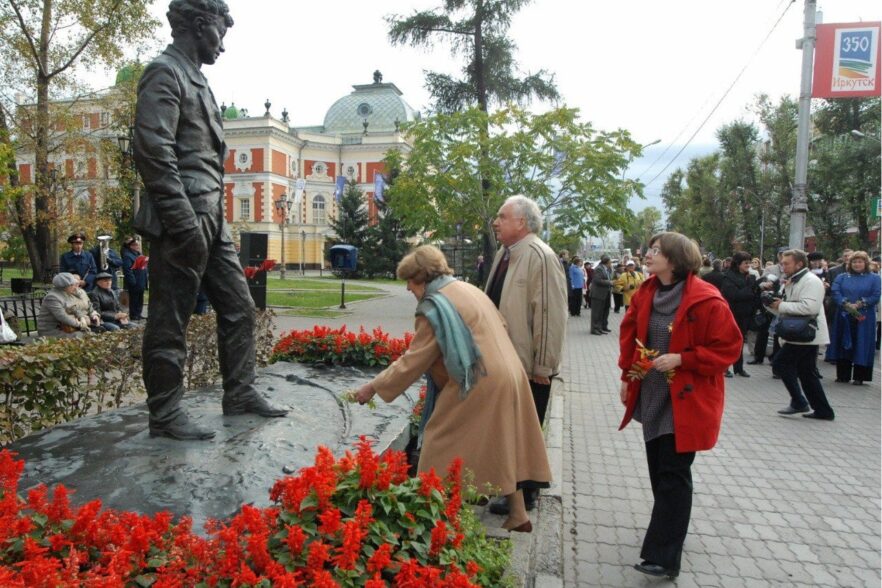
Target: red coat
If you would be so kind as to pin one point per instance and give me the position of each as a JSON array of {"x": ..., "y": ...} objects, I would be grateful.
[{"x": 708, "y": 340}]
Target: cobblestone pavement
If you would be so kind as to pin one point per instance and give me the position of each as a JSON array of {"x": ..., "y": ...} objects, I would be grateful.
[{"x": 783, "y": 501}]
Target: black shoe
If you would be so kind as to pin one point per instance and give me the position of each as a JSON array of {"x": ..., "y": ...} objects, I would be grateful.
[
  {"x": 841, "y": 381},
  {"x": 183, "y": 431},
  {"x": 729, "y": 374},
  {"x": 606, "y": 330},
  {"x": 857, "y": 383},
  {"x": 596, "y": 332},
  {"x": 651, "y": 569},
  {"x": 814, "y": 415},
  {"x": 755, "y": 362},
  {"x": 776, "y": 377},
  {"x": 790, "y": 410},
  {"x": 253, "y": 403},
  {"x": 500, "y": 505},
  {"x": 743, "y": 374}
]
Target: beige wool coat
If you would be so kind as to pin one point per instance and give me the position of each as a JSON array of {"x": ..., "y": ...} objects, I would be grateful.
[{"x": 495, "y": 430}]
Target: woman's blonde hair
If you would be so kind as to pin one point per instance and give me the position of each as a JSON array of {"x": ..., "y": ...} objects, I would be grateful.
[
  {"x": 681, "y": 251},
  {"x": 860, "y": 255},
  {"x": 423, "y": 264}
]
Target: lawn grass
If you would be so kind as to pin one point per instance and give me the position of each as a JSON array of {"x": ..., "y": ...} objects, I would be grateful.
[
  {"x": 313, "y": 298},
  {"x": 275, "y": 283},
  {"x": 311, "y": 312}
]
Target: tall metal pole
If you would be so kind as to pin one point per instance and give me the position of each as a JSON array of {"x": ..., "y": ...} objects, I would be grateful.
[
  {"x": 282, "y": 226},
  {"x": 762, "y": 231},
  {"x": 799, "y": 201}
]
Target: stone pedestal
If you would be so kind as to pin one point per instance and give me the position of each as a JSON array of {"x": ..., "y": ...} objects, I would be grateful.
[{"x": 112, "y": 457}]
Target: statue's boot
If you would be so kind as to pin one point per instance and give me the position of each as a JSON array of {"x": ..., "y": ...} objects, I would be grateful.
[
  {"x": 251, "y": 403},
  {"x": 181, "y": 428}
]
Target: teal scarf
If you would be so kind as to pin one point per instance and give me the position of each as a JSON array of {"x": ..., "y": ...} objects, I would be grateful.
[{"x": 462, "y": 358}]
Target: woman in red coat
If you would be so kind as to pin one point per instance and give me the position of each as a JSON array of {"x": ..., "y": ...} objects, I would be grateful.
[{"x": 676, "y": 340}]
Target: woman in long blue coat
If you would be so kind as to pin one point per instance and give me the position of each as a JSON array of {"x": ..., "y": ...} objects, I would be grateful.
[{"x": 853, "y": 339}]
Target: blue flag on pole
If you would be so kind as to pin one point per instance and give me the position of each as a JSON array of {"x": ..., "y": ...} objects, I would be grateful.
[
  {"x": 338, "y": 191},
  {"x": 379, "y": 185}
]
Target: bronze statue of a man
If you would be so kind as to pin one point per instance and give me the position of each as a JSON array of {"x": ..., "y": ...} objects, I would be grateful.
[{"x": 179, "y": 150}]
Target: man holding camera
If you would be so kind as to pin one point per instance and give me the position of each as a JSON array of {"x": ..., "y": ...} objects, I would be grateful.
[{"x": 802, "y": 327}]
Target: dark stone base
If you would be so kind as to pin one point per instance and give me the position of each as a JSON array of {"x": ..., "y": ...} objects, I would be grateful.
[{"x": 112, "y": 457}]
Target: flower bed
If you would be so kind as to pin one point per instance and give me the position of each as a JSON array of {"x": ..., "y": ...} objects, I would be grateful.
[
  {"x": 354, "y": 521},
  {"x": 341, "y": 347}
]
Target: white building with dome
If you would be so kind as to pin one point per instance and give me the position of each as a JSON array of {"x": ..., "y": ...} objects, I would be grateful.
[{"x": 271, "y": 160}]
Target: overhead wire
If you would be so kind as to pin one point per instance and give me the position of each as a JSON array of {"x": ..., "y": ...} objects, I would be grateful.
[{"x": 720, "y": 101}]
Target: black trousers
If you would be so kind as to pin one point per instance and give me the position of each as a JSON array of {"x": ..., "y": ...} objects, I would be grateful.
[
  {"x": 179, "y": 265},
  {"x": 798, "y": 364},
  {"x": 670, "y": 474},
  {"x": 600, "y": 313},
  {"x": 541, "y": 394},
  {"x": 136, "y": 303},
  {"x": 762, "y": 341},
  {"x": 575, "y": 302},
  {"x": 845, "y": 370},
  {"x": 618, "y": 301}
]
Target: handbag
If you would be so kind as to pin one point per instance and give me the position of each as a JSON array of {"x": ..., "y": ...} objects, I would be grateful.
[
  {"x": 798, "y": 329},
  {"x": 759, "y": 321},
  {"x": 7, "y": 335}
]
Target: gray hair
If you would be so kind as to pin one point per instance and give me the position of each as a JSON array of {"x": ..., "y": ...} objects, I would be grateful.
[
  {"x": 64, "y": 279},
  {"x": 798, "y": 255},
  {"x": 528, "y": 210}
]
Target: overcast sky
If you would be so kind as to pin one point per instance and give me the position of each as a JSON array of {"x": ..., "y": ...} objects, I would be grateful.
[{"x": 653, "y": 68}]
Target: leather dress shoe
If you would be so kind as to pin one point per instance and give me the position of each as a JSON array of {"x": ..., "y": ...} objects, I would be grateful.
[
  {"x": 182, "y": 431},
  {"x": 729, "y": 374},
  {"x": 755, "y": 362},
  {"x": 500, "y": 505},
  {"x": 252, "y": 404},
  {"x": 606, "y": 331},
  {"x": 743, "y": 374},
  {"x": 651, "y": 569},
  {"x": 791, "y": 410},
  {"x": 522, "y": 528},
  {"x": 596, "y": 332},
  {"x": 816, "y": 416},
  {"x": 841, "y": 381}
]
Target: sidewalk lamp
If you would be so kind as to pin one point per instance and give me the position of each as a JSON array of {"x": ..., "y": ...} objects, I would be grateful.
[
  {"x": 283, "y": 205},
  {"x": 126, "y": 147}
]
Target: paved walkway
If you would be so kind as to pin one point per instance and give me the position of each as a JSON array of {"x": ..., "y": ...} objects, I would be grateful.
[
  {"x": 779, "y": 501},
  {"x": 782, "y": 501}
]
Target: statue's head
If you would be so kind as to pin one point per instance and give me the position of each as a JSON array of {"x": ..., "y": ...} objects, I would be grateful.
[{"x": 204, "y": 21}]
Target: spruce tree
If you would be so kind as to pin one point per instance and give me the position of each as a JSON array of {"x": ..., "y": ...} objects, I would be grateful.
[{"x": 351, "y": 225}]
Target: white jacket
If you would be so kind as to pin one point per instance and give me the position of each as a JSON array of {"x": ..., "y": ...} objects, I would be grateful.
[{"x": 804, "y": 296}]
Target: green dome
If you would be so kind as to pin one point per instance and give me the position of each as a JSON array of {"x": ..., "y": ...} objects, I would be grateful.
[
  {"x": 231, "y": 113},
  {"x": 129, "y": 73},
  {"x": 381, "y": 105}
]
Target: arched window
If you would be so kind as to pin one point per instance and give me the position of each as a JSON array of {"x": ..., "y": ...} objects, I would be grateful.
[{"x": 318, "y": 210}]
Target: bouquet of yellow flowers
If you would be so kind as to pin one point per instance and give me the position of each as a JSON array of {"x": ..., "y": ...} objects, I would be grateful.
[{"x": 642, "y": 366}]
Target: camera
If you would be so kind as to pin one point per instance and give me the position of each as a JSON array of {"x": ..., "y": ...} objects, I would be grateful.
[{"x": 767, "y": 298}]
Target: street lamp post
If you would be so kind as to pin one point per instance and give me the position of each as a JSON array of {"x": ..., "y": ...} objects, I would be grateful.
[
  {"x": 283, "y": 205},
  {"x": 127, "y": 148},
  {"x": 302, "y": 250}
]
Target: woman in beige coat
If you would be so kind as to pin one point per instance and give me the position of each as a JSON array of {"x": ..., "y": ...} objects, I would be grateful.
[
  {"x": 483, "y": 411},
  {"x": 66, "y": 310}
]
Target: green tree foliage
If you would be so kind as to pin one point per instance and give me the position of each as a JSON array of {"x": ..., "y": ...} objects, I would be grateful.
[
  {"x": 572, "y": 170},
  {"x": 646, "y": 224},
  {"x": 351, "y": 225},
  {"x": 844, "y": 176},
  {"x": 475, "y": 30},
  {"x": 43, "y": 44},
  {"x": 750, "y": 179},
  {"x": 561, "y": 240}
]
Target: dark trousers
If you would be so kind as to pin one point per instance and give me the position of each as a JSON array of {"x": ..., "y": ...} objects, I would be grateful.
[
  {"x": 618, "y": 301},
  {"x": 179, "y": 265},
  {"x": 136, "y": 304},
  {"x": 797, "y": 364},
  {"x": 600, "y": 313},
  {"x": 671, "y": 477},
  {"x": 541, "y": 394},
  {"x": 845, "y": 370},
  {"x": 575, "y": 302}
]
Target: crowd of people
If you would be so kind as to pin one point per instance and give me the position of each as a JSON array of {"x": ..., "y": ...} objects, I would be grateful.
[{"x": 85, "y": 295}]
